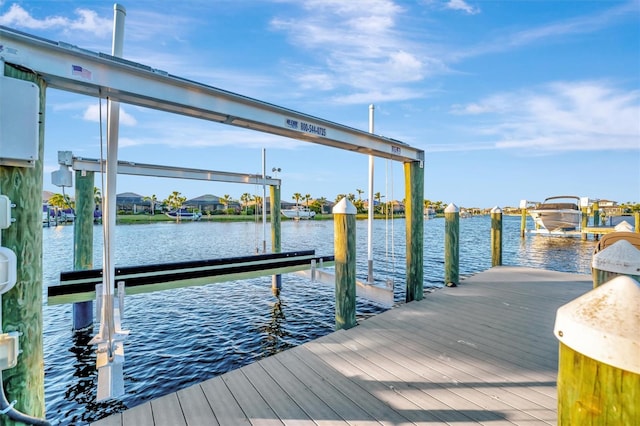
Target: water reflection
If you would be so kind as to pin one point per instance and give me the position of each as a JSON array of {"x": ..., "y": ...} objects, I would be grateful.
[
  {"x": 274, "y": 332},
  {"x": 564, "y": 254}
]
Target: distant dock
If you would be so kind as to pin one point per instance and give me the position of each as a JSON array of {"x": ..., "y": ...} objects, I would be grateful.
[{"x": 480, "y": 353}]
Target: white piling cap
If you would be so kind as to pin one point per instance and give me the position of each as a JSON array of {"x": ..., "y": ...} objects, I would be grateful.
[
  {"x": 496, "y": 210},
  {"x": 344, "y": 206},
  {"x": 604, "y": 324},
  {"x": 452, "y": 208},
  {"x": 620, "y": 257},
  {"x": 624, "y": 226}
]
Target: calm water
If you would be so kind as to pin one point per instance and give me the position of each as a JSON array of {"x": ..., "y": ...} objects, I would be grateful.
[{"x": 181, "y": 337}]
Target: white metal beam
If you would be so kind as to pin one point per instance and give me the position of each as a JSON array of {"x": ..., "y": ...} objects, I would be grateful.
[
  {"x": 70, "y": 68},
  {"x": 141, "y": 169}
]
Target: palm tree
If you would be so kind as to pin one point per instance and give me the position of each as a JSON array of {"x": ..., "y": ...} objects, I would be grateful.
[
  {"x": 175, "y": 201},
  {"x": 258, "y": 203},
  {"x": 378, "y": 197},
  {"x": 245, "y": 198},
  {"x": 360, "y": 192},
  {"x": 97, "y": 196},
  {"x": 340, "y": 197},
  {"x": 225, "y": 200},
  {"x": 152, "y": 200},
  {"x": 317, "y": 204},
  {"x": 297, "y": 196},
  {"x": 307, "y": 198}
]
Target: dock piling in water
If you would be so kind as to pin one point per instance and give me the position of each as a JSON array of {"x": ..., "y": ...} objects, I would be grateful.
[
  {"x": 496, "y": 236},
  {"x": 83, "y": 242},
  {"x": 344, "y": 223},
  {"x": 451, "y": 245}
]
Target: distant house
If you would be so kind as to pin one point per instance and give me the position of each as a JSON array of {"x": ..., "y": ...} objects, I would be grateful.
[
  {"x": 130, "y": 202},
  {"x": 207, "y": 203}
]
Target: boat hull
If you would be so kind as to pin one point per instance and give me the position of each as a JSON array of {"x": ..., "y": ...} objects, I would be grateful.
[
  {"x": 557, "y": 220},
  {"x": 184, "y": 215},
  {"x": 298, "y": 214}
]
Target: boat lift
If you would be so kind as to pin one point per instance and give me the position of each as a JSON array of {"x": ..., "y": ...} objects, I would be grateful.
[{"x": 70, "y": 68}]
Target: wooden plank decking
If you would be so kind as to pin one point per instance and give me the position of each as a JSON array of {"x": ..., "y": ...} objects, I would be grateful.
[{"x": 481, "y": 353}]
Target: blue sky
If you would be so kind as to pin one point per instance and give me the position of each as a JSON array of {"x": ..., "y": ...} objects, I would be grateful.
[{"x": 510, "y": 100}]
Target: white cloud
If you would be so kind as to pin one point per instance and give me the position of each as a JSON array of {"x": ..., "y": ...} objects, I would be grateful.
[
  {"x": 560, "y": 116},
  {"x": 362, "y": 48},
  {"x": 86, "y": 21},
  {"x": 584, "y": 24},
  {"x": 92, "y": 113},
  {"x": 463, "y": 6}
]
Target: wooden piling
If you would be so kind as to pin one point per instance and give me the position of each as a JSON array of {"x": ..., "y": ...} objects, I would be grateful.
[
  {"x": 637, "y": 220},
  {"x": 451, "y": 245},
  {"x": 344, "y": 223},
  {"x": 496, "y": 236},
  {"x": 595, "y": 207},
  {"x": 523, "y": 221},
  {"x": 584, "y": 222},
  {"x": 598, "y": 366},
  {"x": 22, "y": 305},
  {"x": 83, "y": 242},
  {"x": 276, "y": 244},
  {"x": 414, "y": 217}
]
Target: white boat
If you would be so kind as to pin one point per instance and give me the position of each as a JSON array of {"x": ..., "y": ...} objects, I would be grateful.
[
  {"x": 298, "y": 212},
  {"x": 429, "y": 213},
  {"x": 558, "y": 214},
  {"x": 184, "y": 214}
]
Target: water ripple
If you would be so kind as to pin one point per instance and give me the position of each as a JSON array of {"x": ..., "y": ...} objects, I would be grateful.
[{"x": 184, "y": 336}]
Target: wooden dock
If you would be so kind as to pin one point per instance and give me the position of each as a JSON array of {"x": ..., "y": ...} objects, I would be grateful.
[{"x": 480, "y": 353}]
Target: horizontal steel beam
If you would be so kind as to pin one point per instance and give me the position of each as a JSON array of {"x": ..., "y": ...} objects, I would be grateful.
[
  {"x": 140, "y": 169},
  {"x": 70, "y": 68}
]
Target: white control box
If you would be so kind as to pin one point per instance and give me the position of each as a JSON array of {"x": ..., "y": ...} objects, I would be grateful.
[{"x": 19, "y": 120}]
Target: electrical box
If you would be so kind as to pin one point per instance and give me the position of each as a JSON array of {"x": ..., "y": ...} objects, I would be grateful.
[
  {"x": 8, "y": 269},
  {"x": 5, "y": 212},
  {"x": 19, "y": 122},
  {"x": 9, "y": 350},
  {"x": 62, "y": 177}
]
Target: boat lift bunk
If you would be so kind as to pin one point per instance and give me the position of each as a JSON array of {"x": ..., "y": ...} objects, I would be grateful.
[{"x": 79, "y": 286}]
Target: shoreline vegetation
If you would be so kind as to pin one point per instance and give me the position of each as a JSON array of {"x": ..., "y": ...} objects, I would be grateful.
[{"x": 125, "y": 219}]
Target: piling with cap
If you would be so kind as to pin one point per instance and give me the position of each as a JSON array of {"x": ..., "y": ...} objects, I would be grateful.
[
  {"x": 451, "y": 245},
  {"x": 523, "y": 217},
  {"x": 619, "y": 258},
  {"x": 496, "y": 236},
  {"x": 344, "y": 223},
  {"x": 276, "y": 245},
  {"x": 599, "y": 366}
]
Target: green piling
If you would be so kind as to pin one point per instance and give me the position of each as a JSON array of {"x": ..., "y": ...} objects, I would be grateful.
[
  {"x": 496, "y": 236},
  {"x": 22, "y": 305},
  {"x": 344, "y": 224},
  {"x": 414, "y": 217},
  {"x": 584, "y": 222},
  {"x": 451, "y": 245},
  {"x": 83, "y": 242},
  {"x": 523, "y": 220},
  {"x": 276, "y": 245}
]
